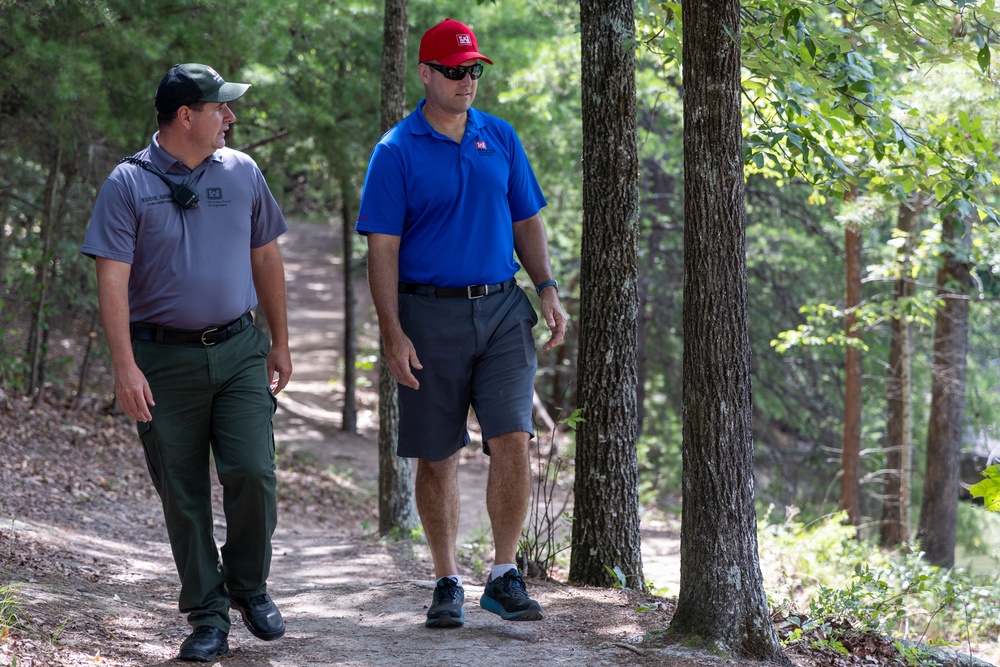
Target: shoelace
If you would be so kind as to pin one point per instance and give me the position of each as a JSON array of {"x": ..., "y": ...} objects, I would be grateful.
[
  {"x": 512, "y": 584},
  {"x": 258, "y": 600},
  {"x": 447, "y": 591}
]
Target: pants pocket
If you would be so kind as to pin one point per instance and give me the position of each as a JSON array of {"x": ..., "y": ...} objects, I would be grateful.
[{"x": 151, "y": 448}]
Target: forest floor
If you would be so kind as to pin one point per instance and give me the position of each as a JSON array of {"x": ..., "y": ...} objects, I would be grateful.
[{"x": 86, "y": 575}]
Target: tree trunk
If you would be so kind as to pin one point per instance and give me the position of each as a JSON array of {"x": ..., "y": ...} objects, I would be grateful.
[
  {"x": 850, "y": 483},
  {"x": 396, "y": 505},
  {"x": 894, "y": 526},
  {"x": 606, "y": 496},
  {"x": 348, "y": 214},
  {"x": 81, "y": 384},
  {"x": 939, "y": 510},
  {"x": 36, "y": 337},
  {"x": 722, "y": 601}
]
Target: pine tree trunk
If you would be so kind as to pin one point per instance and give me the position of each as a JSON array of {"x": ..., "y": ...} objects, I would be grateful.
[
  {"x": 606, "y": 499},
  {"x": 939, "y": 511},
  {"x": 722, "y": 601},
  {"x": 396, "y": 504}
]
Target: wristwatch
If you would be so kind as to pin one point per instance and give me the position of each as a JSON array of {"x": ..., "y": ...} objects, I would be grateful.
[{"x": 546, "y": 283}]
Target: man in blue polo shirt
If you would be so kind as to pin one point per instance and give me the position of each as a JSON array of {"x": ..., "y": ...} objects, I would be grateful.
[
  {"x": 185, "y": 238},
  {"x": 449, "y": 199}
]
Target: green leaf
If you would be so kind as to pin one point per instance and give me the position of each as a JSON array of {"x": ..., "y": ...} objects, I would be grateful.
[
  {"x": 792, "y": 18},
  {"x": 988, "y": 489},
  {"x": 963, "y": 119},
  {"x": 862, "y": 86},
  {"x": 617, "y": 573},
  {"x": 984, "y": 57},
  {"x": 810, "y": 47}
]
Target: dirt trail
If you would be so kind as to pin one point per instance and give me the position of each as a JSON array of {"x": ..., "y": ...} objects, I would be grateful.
[{"x": 83, "y": 536}]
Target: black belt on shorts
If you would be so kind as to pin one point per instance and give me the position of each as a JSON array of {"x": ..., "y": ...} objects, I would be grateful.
[
  {"x": 470, "y": 292},
  {"x": 152, "y": 333}
]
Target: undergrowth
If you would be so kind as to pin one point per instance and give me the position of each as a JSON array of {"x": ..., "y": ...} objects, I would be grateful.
[
  {"x": 828, "y": 584},
  {"x": 10, "y": 604}
]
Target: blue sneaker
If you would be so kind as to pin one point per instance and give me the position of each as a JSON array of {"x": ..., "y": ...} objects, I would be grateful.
[
  {"x": 508, "y": 598},
  {"x": 446, "y": 610}
]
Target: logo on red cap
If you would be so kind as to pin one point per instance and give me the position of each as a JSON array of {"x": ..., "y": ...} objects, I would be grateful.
[{"x": 464, "y": 40}]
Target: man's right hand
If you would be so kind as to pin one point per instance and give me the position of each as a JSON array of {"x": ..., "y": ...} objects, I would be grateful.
[
  {"x": 133, "y": 393},
  {"x": 401, "y": 357}
]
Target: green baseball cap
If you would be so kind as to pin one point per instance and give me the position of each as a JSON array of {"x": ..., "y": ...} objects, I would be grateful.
[{"x": 192, "y": 82}]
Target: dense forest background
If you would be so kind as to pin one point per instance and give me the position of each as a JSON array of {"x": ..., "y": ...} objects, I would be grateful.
[{"x": 870, "y": 143}]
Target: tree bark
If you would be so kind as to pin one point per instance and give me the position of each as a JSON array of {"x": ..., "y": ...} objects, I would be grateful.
[
  {"x": 606, "y": 498},
  {"x": 939, "y": 510},
  {"x": 894, "y": 526},
  {"x": 850, "y": 484},
  {"x": 348, "y": 212},
  {"x": 396, "y": 505},
  {"x": 722, "y": 601}
]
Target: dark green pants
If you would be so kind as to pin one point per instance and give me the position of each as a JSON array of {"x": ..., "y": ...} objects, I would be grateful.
[{"x": 214, "y": 400}]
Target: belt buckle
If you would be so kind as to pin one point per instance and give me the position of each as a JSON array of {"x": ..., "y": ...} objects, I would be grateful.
[
  {"x": 205, "y": 333},
  {"x": 485, "y": 291}
]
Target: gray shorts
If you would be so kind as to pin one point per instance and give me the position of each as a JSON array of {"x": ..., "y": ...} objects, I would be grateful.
[{"x": 474, "y": 352}]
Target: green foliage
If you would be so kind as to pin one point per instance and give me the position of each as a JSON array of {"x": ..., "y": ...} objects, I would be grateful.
[
  {"x": 988, "y": 489},
  {"x": 620, "y": 580},
  {"x": 10, "y": 609},
  {"x": 10, "y": 604},
  {"x": 575, "y": 419},
  {"x": 846, "y": 584}
]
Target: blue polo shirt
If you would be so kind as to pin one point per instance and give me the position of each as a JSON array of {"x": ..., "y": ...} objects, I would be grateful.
[
  {"x": 190, "y": 268},
  {"x": 452, "y": 205}
]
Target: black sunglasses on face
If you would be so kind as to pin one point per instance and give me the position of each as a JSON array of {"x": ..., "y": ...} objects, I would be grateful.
[{"x": 458, "y": 73}]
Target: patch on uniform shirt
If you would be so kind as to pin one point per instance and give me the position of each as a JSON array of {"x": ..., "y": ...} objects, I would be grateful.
[
  {"x": 483, "y": 150},
  {"x": 213, "y": 193}
]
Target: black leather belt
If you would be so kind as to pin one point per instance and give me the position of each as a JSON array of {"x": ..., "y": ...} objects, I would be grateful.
[
  {"x": 152, "y": 333},
  {"x": 470, "y": 292}
]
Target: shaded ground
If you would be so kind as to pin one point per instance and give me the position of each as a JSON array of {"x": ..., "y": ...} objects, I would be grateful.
[{"x": 83, "y": 549}]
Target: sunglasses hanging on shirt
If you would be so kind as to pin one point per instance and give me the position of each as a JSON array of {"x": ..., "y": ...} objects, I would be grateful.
[
  {"x": 185, "y": 196},
  {"x": 458, "y": 73}
]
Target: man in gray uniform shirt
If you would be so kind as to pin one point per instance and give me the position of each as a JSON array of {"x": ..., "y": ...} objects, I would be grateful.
[{"x": 185, "y": 237}]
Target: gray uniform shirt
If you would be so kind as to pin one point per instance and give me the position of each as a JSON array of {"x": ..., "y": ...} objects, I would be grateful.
[{"x": 190, "y": 268}]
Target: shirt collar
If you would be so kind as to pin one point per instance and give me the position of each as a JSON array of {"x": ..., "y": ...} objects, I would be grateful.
[
  {"x": 421, "y": 126},
  {"x": 164, "y": 161}
]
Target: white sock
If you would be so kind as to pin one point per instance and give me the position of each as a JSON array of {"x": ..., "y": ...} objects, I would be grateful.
[
  {"x": 500, "y": 570},
  {"x": 456, "y": 577}
]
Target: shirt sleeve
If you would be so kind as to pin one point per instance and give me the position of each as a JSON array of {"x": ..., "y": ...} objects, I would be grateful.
[
  {"x": 383, "y": 197},
  {"x": 114, "y": 224}
]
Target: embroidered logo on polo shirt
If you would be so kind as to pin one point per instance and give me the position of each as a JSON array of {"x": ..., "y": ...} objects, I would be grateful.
[
  {"x": 214, "y": 193},
  {"x": 483, "y": 150}
]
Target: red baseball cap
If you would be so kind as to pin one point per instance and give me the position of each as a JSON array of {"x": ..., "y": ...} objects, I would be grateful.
[{"x": 450, "y": 43}]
